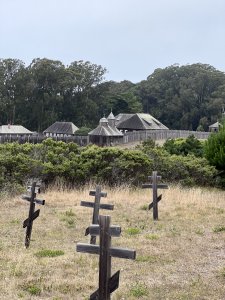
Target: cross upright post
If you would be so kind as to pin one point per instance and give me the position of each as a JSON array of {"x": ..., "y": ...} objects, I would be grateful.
[
  {"x": 154, "y": 186},
  {"x": 28, "y": 223},
  {"x": 104, "y": 259},
  {"x": 107, "y": 283},
  {"x": 31, "y": 212},
  {"x": 155, "y": 195}
]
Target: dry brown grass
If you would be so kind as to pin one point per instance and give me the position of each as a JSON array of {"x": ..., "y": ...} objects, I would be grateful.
[{"x": 181, "y": 256}]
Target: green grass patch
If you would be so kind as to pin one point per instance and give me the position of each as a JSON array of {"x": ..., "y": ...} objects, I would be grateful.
[
  {"x": 199, "y": 231},
  {"x": 222, "y": 272},
  {"x": 133, "y": 231},
  {"x": 33, "y": 290},
  {"x": 144, "y": 207},
  {"x": 69, "y": 218},
  {"x": 139, "y": 290},
  {"x": 49, "y": 253},
  {"x": 219, "y": 228},
  {"x": 147, "y": 258},
  {"x": 152, "y": 236}
]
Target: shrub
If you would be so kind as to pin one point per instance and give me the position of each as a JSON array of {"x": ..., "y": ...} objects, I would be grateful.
[
  {"x": 181, "y": 146},
  {"x": 214, "y": 149}
]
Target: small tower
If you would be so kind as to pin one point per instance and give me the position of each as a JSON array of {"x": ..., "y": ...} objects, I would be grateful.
[{"x": 111, "y": 119}]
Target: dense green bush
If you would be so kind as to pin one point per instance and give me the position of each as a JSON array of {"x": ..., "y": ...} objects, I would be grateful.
[
  {"x": 77, "y": 166},
  {"x": 214, "y": 149},
  {"x": 182, "y": 146}
]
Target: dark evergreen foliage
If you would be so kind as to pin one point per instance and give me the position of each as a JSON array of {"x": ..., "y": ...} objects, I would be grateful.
[{"x": 181, "y": 97}]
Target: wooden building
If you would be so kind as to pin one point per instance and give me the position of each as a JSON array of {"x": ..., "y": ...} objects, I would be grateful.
[
  {"x": 215, "y": 127},
  {"x": 61, "y": 129},
  {"x": 106, "y": 133},
  {"x": 14, "y": 131},
  {"x": 136, "y": 122}
]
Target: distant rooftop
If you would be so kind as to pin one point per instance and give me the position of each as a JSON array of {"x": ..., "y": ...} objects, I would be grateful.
[
  {"x": 14, "y": 129},
  {"x": 139, "y": 121},
  {"x": 62, "y": 128}
]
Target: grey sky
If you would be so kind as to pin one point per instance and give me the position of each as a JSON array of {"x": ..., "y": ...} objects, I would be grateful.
[{"x": 130, "y": 38}]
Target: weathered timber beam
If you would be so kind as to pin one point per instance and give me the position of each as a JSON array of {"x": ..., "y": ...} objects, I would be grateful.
[{"x": 38, "y": 201}]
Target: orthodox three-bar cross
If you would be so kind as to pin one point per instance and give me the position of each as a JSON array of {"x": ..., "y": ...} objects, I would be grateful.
[
  {"x": 28, "y": 223},
  {"x": 155, "y": 186},
  {"x": 107, "y": 284},
  {"x": 96, "y": 206}
]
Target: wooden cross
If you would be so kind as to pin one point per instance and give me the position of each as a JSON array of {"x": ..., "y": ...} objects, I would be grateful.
[
  {"x": 154, "y": 204},
  {"x": 96, "y": 205},
  {"x": 107, "y": 283},
  {"x": 28, "y": 223}
]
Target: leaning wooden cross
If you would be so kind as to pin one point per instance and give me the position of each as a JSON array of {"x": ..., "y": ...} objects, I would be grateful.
[
  {"x": 107, "y": 284},
  {"x": 155, "y": 186},
  {"x": 96, "y": 206},
  {"x": 28, "y": 223}
]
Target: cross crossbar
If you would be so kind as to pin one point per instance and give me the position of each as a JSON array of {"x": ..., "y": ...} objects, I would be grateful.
[
  {"x": 101, "y": 206},
  {"x": 37, "y": 189},
  {"x": 38, "y": 201},
  {"x": 114, "y": 230},
  {"x": 114, "y": 252},
  {"x": 150, "y": 186},
  {"x": 102, "y": 194},
  {"x": 158, "y": 199},
  {"x": 34, "y": 216},
  {"x": 152, "y": 177}
]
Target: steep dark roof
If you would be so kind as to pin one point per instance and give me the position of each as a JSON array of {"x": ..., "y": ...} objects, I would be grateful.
[
  {"x": 103, "y": 129},
  {"x": 14, "y": 129},
  {"x": 122, "y": 117},
  {"x": 61, "y": 128},
  {"x": 138, "y": 122}
]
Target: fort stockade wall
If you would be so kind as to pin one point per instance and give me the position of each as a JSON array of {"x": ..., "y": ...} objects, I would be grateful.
[{"x": 129, "y": 137}]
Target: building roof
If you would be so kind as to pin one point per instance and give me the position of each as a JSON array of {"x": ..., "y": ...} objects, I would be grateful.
[
  {"x": 111, "y": 116},
  {"x": 215, "y": 125},
  {"x": 104, "y": 129},
  {"x": 138, "y": 121},
  {"x": 61, "y": 128},
  {"x": 14, "y": 129}
]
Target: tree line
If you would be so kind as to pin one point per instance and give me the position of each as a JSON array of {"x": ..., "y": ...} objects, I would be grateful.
[{"x": 188, "y": 97}]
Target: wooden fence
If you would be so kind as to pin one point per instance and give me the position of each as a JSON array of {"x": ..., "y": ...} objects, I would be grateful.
[
  {"x": 129, "y": 137},
  {"x": 156, "y": 135}
]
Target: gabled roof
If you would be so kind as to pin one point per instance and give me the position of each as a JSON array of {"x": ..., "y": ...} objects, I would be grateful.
[
  {"x": 61, "y": 128},
  {"x": 14, "y": 129},
  {"x": 215, "y": 125},
  {"x": 103, "y": 129},
  {"x": 138, "y": 121}
]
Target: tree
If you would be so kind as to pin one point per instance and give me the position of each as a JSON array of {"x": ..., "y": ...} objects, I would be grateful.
[
  {"x": 43, "y": 92},
  {"x": 181, "y": 96},
  {"x": 214, "y": 149},
  {"x": 80, "y": 102},
  {"x": 10, "y": 70}
]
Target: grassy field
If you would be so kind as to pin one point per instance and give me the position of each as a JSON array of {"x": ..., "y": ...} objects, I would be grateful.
[{"x": 180, "y": 256}]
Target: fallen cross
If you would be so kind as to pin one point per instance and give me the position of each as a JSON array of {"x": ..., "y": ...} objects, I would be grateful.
[
  {"x": 107, "y": 283},
  {"x": 155, "y": 186},
  {"x": 96, "y": 205},
  {"x": 28, "y": 223}
]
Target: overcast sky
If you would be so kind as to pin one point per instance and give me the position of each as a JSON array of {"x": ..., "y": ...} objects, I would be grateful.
[{"x": 130, "y": 38}]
